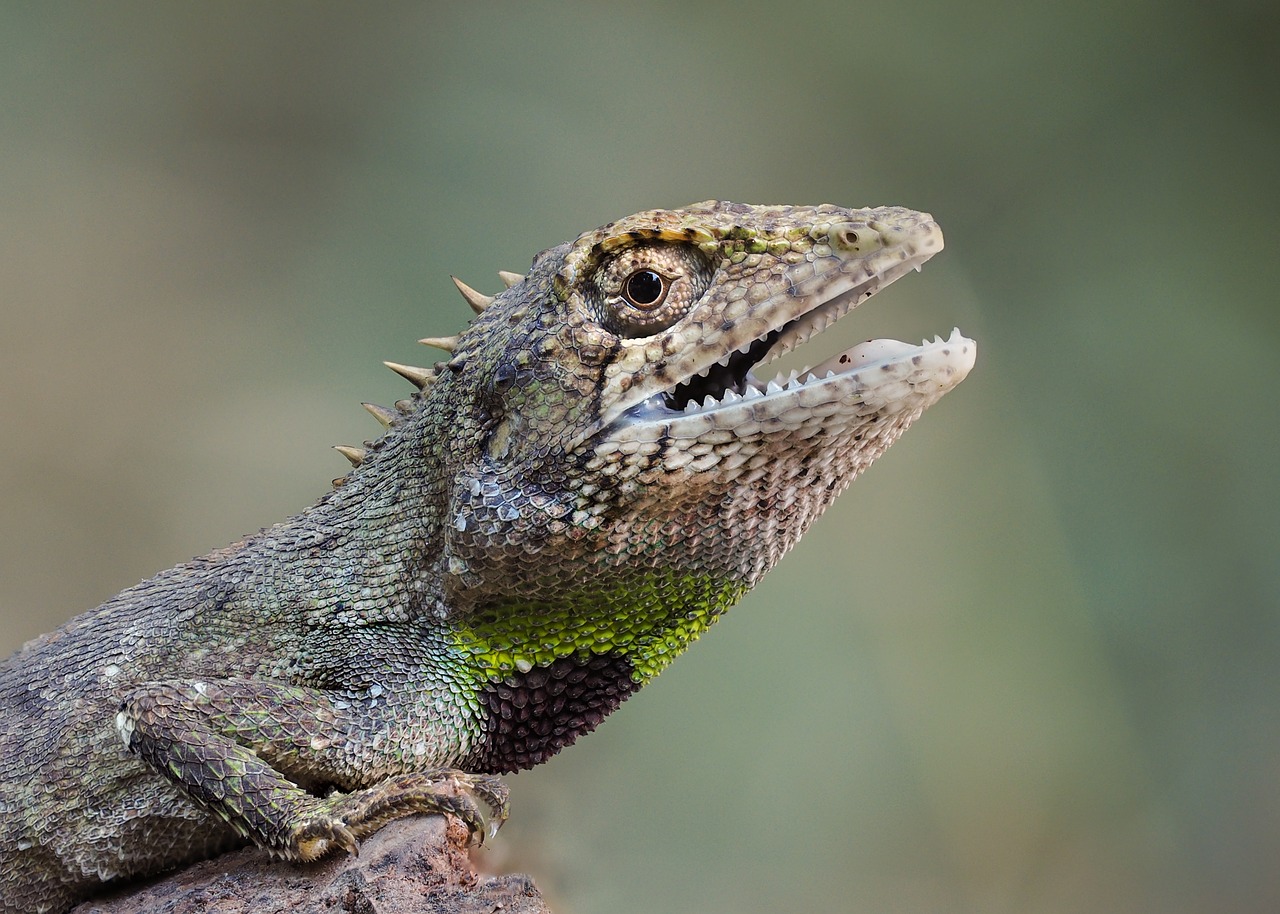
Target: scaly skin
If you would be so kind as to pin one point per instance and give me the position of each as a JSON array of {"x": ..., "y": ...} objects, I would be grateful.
[{"x": 570, "y": 500}]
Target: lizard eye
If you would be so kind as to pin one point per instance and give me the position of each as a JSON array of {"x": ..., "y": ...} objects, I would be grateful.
[{"x": 646, "y": 289}]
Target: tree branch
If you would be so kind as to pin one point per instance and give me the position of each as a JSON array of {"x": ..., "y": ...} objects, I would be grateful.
[{"x": 416, "y": 865}]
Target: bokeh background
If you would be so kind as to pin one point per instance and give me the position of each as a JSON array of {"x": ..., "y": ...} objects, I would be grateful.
[{"x": 1027, "y": 664}]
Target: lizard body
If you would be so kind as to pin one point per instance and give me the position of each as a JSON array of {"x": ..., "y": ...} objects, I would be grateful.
[{"x": 587, "y": 482}]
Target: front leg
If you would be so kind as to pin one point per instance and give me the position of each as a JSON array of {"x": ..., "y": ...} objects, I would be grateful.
[{"x": 257, "y": 753}]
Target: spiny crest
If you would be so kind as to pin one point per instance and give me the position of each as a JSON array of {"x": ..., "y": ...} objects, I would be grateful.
[{"x": 422, "y": 378}]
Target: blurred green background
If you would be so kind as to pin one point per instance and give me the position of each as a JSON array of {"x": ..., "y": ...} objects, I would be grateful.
[{"x": 1027, "y": 664}]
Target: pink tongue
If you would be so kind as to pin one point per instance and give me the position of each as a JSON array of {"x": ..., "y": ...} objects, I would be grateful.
[{"x": 862, "y": 354}]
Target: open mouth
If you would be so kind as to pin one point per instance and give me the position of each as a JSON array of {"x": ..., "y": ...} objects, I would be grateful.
[
  {"x": 734, "y": 381},
  {"x": 733, "y": 377}
]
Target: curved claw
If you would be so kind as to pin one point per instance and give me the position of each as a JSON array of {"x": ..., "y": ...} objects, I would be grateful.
[
  {"x": 496, "y": 796},
  {"x": 480, "y": 804}
]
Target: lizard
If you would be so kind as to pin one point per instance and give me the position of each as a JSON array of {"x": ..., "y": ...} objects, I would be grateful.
[{"x": 587, "y": 480}]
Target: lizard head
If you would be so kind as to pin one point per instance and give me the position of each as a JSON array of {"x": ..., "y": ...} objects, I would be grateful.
[
  {"x": 627, "y": 416},
  {"x": 626, "y": 470}
]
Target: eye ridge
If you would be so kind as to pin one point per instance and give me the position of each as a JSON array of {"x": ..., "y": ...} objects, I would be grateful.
[{"x": 646, "y": 289}]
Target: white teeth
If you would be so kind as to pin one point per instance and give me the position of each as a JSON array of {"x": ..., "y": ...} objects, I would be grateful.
[
  {"x": 773, "y": 388},
  {"x": 709, "y": 402},
  {"x": 724, "y": 363},
  {"x": 829, "y": 374},
  {"x": 751, "y": 393},
  {"x": 731, "y": 396}
]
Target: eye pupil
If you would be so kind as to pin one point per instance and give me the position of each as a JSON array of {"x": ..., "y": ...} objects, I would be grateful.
[{"x": 645, "y": 288}]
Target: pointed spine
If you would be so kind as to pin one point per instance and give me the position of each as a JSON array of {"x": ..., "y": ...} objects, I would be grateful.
[
  {"x": 478, "y": 301},
  {"x": 419, "y": 377},
  {"x": 510, "y": 279},
  {"x": 447, "y": 343},
  {"x": 386, "y": 417},
  {"x": 354, "y": 454}
]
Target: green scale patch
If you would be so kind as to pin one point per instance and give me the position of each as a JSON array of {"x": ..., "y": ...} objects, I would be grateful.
[{"x": 650, "y": 623}]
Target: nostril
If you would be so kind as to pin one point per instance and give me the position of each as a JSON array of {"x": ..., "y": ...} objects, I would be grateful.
[{"x": 857, "y": 239}]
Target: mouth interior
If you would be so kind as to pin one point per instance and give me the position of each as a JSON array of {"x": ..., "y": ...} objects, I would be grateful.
[{"x": 726, "y": 375}]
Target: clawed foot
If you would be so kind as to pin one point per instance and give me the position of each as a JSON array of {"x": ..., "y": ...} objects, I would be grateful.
[{"x": 479, "y": 801}]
